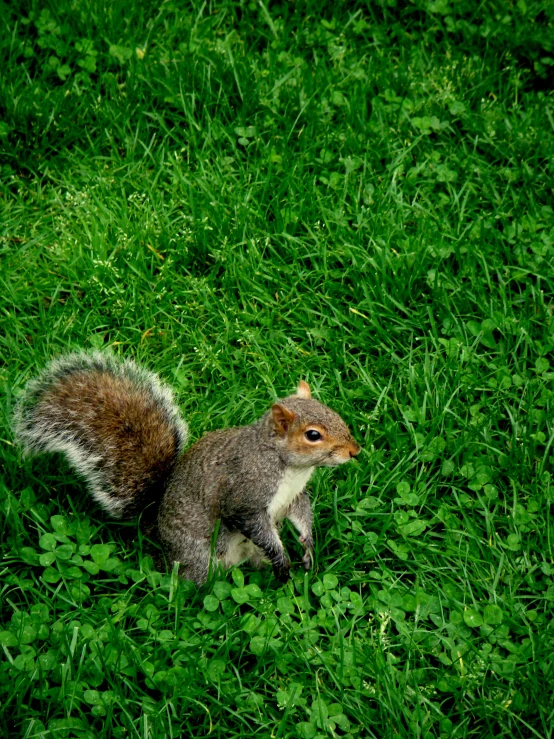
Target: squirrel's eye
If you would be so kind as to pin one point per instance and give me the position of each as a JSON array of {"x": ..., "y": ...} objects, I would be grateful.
[{"x": 312, "y": 435}]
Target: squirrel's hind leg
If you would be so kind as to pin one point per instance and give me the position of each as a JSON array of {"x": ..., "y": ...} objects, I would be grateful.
[{"x": 193, "y": 556}]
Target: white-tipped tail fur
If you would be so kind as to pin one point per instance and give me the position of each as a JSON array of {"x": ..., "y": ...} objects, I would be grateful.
[{"x": 117, "y": 424}]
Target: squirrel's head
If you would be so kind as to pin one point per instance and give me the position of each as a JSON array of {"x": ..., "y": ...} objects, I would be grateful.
[{"x": 309, "y": 433}]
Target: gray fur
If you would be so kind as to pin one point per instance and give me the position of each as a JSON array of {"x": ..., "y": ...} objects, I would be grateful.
[{"x": 233, "y": 476}]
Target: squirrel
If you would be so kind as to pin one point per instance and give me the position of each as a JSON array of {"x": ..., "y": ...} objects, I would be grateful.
[{"x": 226, "y": 496}]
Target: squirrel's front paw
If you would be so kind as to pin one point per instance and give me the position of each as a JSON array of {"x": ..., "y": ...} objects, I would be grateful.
[{"x": 308, "y": 558}]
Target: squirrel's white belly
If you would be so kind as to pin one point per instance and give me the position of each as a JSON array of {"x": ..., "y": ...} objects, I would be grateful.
[
  {"x": 238, "y": 549},
  {"x": 293, "y": 483}
]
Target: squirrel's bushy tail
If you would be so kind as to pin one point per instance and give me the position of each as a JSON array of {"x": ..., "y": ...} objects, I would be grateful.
[{"x": 116, "y": 423}]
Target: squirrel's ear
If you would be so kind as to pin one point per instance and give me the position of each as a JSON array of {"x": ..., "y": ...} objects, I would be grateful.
[
  {"x": 303, "y": 390},
  {"x": 282, "y": 418}
]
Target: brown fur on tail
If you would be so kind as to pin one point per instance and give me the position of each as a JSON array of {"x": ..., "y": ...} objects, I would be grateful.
[{"x": 116, "y": 423}]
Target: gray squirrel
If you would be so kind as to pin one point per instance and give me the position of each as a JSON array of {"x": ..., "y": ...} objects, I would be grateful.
[{"x": 120, "y": 427}]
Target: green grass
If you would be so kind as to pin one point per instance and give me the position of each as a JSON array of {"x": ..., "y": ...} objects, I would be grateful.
[{"x": 241, "y": 195}]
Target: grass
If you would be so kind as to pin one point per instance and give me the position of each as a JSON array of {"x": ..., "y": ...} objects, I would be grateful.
[{"x": 240, "y": 195}]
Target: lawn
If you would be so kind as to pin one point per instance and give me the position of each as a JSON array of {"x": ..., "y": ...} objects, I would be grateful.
[{"x": 241, "y": 195}]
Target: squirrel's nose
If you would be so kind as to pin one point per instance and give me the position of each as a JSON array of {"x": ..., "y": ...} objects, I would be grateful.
[{"x": 354, "y": 450}]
